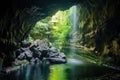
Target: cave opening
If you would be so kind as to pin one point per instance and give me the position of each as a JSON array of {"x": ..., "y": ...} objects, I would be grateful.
[
  {"x": 58, "y": 28},
  {"x": 31, "y": 31},
  {"x": 61, "y": 29}
]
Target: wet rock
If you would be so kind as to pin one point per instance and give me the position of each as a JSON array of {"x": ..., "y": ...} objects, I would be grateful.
[
  {"x": 51, "y": 54},
  {"x": 18, "y": 52},
  {"x": 41, "y": 45},
  {"x": 40, "y": 51},
  {"x": 21, "y": 56},
  {"x": 37, "y": 60},
  {"x": 25, "y": 44},
  {"x": 53, "y": 49},
  {"x": 28, "y": 55},
  {"x": 36, "y": 52},
  {"x": 43, "y": 48},
  {"x": 57, "y": 60},
  {"x": 56, "y": 57},
  {"x": 62, "y": 55},
  {"x": 32, "y": 61}
]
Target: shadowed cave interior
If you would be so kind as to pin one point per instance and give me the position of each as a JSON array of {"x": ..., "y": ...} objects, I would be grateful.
[{"x": 82, "y": 25}]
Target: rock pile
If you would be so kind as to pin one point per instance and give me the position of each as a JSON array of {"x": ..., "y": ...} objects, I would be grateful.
[{"x": 39, "y": 51}]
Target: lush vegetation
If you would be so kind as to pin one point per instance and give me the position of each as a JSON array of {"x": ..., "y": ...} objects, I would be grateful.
[
  {"x": 93, "y": 32},
  {"x": 54, "y": 28},
  {"x": 61, "y": 27},
  {"x": 41, "y": 29}
]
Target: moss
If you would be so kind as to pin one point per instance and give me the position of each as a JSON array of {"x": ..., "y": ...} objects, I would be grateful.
[
  {"x": 115, "y": 46},
  {"x": 105, "y": 49}
]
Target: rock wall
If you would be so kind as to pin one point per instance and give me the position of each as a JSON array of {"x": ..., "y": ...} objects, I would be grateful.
[{"x": 99, "y": 28}]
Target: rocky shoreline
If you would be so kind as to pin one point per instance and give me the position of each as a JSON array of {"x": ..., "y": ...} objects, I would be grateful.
[{"x": 39, "y": 51}]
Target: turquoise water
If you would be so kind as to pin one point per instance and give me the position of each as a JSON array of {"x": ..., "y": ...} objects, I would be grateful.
[{"x": 76, "y": 68}]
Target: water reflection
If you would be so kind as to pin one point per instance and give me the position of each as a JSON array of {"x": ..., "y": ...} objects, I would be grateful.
[
  {"x": 74, "y": 69},
  {"x": 57, "y": 72},
  {"x": 31, "y": 72}
]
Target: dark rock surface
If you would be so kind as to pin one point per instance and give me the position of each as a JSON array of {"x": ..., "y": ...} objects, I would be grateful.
[{"x": 39, "y": 50}]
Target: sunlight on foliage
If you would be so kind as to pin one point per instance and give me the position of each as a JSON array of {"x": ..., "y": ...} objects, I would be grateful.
[
  {"x": 61, "y": 26},
  {"x": 41, "y": 29},
  {"x": 54, "y": 28}
]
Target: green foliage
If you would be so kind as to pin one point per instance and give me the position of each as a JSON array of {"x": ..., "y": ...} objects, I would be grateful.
[
  {"x": 60, "y": 35},
  {"x": 61, "y": 28},
  {"x": 41, "y": 29},
  {"x": 54, "y": 28}
]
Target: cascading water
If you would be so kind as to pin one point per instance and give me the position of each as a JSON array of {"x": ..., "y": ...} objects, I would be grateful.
[{"x": 73, "y": 19}]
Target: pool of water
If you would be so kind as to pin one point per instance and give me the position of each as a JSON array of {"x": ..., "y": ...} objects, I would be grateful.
[{"x": 75, "y": 69}]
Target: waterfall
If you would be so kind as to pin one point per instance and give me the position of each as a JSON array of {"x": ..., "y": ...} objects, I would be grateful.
[{"x": 73, "y": 19}]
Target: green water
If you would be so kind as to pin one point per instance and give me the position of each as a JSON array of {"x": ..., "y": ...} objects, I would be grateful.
[{"x": 76, "y": 68}]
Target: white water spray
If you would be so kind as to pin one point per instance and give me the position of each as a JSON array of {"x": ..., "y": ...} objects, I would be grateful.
[{"x": 73, "y": 19}]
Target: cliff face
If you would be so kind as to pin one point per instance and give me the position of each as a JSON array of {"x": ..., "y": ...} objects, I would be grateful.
[{"x": 99, "y": 28}]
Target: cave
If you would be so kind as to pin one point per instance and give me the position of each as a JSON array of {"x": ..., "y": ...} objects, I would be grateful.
[{"x": 94, "y": 28}]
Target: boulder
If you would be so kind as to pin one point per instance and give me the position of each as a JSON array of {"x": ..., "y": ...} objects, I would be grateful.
[
  {"x": 43, "y": 49},
  {"x": 18, "y": 51},
  {"x": 41, "y": 45},
  {"x": 62, "y": 55},
  {"x": 51, "y": 54},
  {"x": 28, "y": 55},
  {"x": 56, "y": 60},
  {"x": 56, "y": 57},
  {"x": 40, "y": 51},
  {"x": 21, "y": 56},
  {"x": 35, "y": 51},
  {"x": 25, "y": 44},
  {"x": 53, "y": 49}
]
